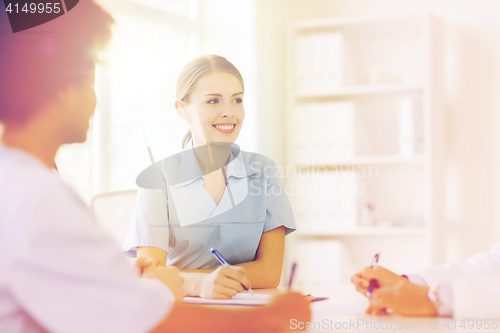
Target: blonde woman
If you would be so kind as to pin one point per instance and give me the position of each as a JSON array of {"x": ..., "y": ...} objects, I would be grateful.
[{"x": 212, "y": 194}]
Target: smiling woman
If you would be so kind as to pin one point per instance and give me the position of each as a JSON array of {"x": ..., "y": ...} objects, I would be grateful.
[
  {"x": 202, "y": 197},
  {"x": 208, "y": 72}
]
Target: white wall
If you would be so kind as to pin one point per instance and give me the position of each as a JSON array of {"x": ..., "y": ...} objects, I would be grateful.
[{"x": 472, "y": 83}]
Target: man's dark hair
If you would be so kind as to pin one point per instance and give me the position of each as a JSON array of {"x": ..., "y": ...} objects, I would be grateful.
[{"x": 36, "y": 63}]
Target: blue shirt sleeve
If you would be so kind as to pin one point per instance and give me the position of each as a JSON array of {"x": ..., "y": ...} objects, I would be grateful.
[
  {"x": 278, "y": 209},
  {"x": 149, "y": 225}
]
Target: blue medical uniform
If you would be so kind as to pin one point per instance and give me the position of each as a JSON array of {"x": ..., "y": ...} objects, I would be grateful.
[{"x": 183, "y": 219}]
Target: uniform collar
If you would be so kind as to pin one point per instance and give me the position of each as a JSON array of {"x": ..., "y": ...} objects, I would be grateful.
[{"x": 189, "y": 170}]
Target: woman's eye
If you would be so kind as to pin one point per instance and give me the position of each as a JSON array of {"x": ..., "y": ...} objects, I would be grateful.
[
  {"x": 238, "y": 101},
  {"x": 213, "y": 101}
]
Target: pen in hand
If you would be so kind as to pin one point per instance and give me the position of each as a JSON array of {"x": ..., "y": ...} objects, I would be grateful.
[
  {"x": 224, "y": 263},
  {"x": 373, "y": 282}
]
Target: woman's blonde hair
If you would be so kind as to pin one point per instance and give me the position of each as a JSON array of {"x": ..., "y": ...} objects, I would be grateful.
[{"x": 197, "y": 68}]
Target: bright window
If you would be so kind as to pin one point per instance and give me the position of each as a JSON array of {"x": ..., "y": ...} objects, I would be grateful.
[{"x": 152, "y": 40}]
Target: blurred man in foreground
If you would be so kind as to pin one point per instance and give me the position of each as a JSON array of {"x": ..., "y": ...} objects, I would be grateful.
[{"x": 59, "y": 272}]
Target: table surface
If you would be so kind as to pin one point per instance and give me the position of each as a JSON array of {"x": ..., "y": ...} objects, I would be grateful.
[{"x": 344, "y": 311}]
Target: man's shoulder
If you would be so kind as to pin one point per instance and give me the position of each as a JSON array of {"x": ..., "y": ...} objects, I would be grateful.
[
  {"x": 18, "y": 169},
  {"x": 25, "y": 183},
  {"x": 19, "y": 172}
]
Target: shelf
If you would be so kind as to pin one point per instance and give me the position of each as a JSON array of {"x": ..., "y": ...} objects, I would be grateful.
[
  {"x": 372, "y": 160},
  {"x": 335, "y": 22},
  {"x": 367, "y": 231},
  {"x": 363, "y": 90}
]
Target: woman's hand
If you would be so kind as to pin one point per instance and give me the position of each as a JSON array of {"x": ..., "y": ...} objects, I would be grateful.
[
  {"x": 149, "y": 268},
  {"x": 384, "y": 277},
  {"x": 223, "y": 283},
  {"x": 404, "y": 298}
]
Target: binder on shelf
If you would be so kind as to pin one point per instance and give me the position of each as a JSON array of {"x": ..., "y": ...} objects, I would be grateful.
[
  {"x": 340, "y": 204},
  {"x": 302, "y": 48},
  {"x": 418, "y": 119},
  {"x": 410, "y": 126},
  {"x": 326, "y": 201},
  {"x": 303, "y": 140},
  {"x": 309, "y": 208},
  {"x": 339, "y": 119},
  {"x": 300, "y": 202},
  {"x": 387, "y": 74},
  {"x": 335, "y": 50},
  {"x": 318, "y": 63},
  {"x": 322, "y": 63},
  {"x": 326, "y": 133}
]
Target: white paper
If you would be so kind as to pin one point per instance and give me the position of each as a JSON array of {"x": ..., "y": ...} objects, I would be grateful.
[{"x": 239, "y": 299}]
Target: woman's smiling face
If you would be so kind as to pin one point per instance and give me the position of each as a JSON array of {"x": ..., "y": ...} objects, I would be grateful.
[{"x": 215, "y": 108}]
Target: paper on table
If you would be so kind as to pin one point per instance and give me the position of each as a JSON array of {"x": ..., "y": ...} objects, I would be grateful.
[{"x": 239, "y": 299}]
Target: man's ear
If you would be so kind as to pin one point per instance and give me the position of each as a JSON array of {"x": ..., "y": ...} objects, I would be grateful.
[
  {"x": 181, "y": 109},
  {"x": 63, "y": 95}
]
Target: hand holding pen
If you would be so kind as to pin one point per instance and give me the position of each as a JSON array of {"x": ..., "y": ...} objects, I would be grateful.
[
  {"x": 224, "y": 263},
  {"x": 373, "y": 282},
  {"x": 382, "y": 276}
]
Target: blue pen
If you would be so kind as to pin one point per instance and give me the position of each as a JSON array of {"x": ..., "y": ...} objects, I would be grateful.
[
  {"x": 373, "y": 282},
  {"x": 224, "y": 263}
]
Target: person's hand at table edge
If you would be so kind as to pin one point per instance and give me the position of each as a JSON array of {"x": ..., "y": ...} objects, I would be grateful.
[
  {"x": 149, "y": 268},
  {"x": 277, "y": 316},
  {"x": 285, "y": 307},
  {"x": 404, "y": 298}
]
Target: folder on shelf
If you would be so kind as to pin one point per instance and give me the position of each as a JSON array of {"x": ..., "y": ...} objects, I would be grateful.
[
  {"x": 410, "y": 126},
  {"x": 326, "y": 201},
  {"x": 322, "y": 63},
  {"x": 340, "y": 119},
  {"x": 301, "y": 66},
  {"x": 326, "y": 132}
]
